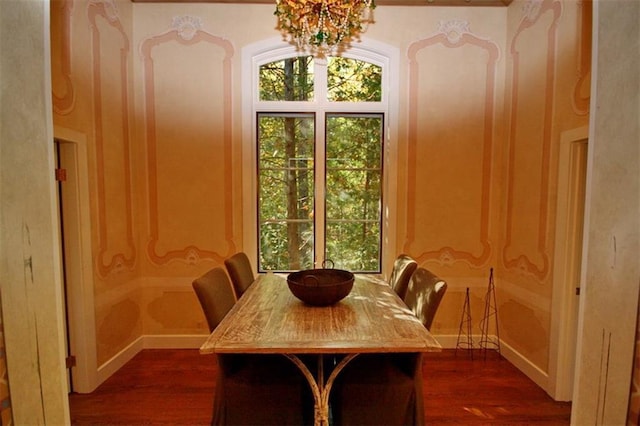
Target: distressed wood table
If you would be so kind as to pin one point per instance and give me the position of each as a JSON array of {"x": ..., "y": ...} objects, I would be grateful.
[{"x": 268, "y": 319}]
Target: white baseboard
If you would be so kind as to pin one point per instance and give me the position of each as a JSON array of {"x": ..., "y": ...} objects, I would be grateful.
[
  {"x": 539, "y": 377},
  {"x": 529, "y": 369},
  {"x": 118, "y": 360},
  {"x": 449, "y": 341},
  {"x": 172, "y": 341}
]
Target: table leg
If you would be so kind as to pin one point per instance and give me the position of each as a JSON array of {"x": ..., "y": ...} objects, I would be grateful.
[{"x": 319, "y": 388}]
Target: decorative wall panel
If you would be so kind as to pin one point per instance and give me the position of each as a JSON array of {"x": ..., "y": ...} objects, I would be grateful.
[
  {"x": 63, "y": 92},
  {"x": 187, "y": 82},
  {"x": 533, "y": 55},
  {"x": 451, "y": 136},
  {"x": 110, "y": 51}
]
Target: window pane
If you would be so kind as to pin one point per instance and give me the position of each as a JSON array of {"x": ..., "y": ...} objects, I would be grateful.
[
  {"x": 290, "y": 79},
  {"x": 351, "y": 80},
  {"x": 273, "y": 257},
  {"x": 353, "y": 190},
  {"x": 354, "y": 254},
  {"x": 285, "y": 191}
]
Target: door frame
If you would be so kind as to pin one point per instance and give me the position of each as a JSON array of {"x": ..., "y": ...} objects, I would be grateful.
[
  {"x": 78, "y": 258},
  {"x": 566, "y": 270}
]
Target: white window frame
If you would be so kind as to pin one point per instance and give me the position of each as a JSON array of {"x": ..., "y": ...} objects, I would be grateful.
[{"x": 263, "y": 52}]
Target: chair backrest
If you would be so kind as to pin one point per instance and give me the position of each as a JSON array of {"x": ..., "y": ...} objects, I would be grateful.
[
  {"x": 215, "y": 294},
  {"x": 403, "y": 268},
  {"x": 240, "y": 271},
  {"x": 424, "y": 295}
]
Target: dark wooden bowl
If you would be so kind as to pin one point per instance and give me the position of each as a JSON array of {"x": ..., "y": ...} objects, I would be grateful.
[{"x": 320, "y": 287}]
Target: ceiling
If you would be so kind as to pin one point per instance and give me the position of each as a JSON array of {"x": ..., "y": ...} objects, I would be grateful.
[{"x": 499, "y": 3}]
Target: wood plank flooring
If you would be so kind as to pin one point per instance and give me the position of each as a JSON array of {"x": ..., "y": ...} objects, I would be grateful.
[{"x": 167, "y": 386}]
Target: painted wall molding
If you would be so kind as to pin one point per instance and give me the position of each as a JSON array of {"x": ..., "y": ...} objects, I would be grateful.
[
  {"x": 186, "y": 31},
  {"x": 476, "y": 250},
  {"x": 527, "y": 141}
]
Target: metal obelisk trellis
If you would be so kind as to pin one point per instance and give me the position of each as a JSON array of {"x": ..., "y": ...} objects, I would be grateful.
[
  {"x": 490, "y": 311},
  {"x": 465, "y": 341}
]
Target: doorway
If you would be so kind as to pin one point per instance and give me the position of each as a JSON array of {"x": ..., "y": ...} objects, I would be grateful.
[
  {"x": 75, "y": 237},
  {"x": 65, "y": 194},
  {"x": 572, "y": 178}
]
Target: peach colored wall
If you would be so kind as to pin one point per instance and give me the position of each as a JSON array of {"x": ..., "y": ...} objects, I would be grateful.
[
  {"x": 544, "y": 97},
  {"x": 118, "y": 300},
  {"x": 92, "y": 94},
  {"x": 156, "y": 87},
  {"x": 448, "y": 218},
  {"x": 526, "y": 231},
  {"x": 189, "y": 138}
]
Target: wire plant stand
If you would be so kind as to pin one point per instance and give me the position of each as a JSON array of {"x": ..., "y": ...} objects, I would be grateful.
[
  {"x": 490, "y": 313},
  {"x": 465, "y": 339}
]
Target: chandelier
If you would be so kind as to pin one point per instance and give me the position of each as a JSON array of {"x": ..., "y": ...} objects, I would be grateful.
[{"x": 323, "y": 26}]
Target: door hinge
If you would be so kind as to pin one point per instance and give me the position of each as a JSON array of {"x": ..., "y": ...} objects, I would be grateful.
[
  {"x": 70, "y": 361},
  {"x": 61, "y": 175},
  {"x": 577, "y": 291}
]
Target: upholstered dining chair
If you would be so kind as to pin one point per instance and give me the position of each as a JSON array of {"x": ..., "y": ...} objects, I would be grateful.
[
  {"x": 239, "y": 269},
  {"x": 251, "y": 389},
  {"x": 403, "y": 268},
  {"x": 215, "y": 295},
  {"x": 387, "y": 388},
  {"x": 424, "y": 294},
  {"x": 379, "y": 389}
]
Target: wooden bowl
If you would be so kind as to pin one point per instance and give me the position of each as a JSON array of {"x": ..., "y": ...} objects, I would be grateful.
[{"x": 320, "y": 287}]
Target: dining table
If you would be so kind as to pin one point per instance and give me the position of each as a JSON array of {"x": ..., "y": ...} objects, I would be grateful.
[{"x": 269, "y": 319}]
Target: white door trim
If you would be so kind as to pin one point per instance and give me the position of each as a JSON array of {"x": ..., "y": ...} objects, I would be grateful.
[
  {"x": 566, "y": 271},
  {"x": 80, "y": 277}
]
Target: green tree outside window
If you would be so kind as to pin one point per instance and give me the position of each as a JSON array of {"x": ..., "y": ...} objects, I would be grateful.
[{"x": 352, "y": 143}]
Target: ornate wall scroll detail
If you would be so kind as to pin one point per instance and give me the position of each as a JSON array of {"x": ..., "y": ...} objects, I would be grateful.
[
  {"x": 582, "y": 89},
  {"x": 113, "y": 203},
  {"x": 454, "y": 30},
  {"x": 517, "y": 258},
  {"x": 446, "y": 256},
  {"x": 63, "y": 103},
  {"x": 109, "y": 10},
  {"x": 475, "y": 248},
  {"x": 187, "y": 31},
  {"x": 531, "y": 10},
  {"x": 192, "y": 256},
  {"x": 186, "y": 26}
]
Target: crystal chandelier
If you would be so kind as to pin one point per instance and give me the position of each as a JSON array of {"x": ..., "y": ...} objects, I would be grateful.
[{"x": 323, "y": 26}]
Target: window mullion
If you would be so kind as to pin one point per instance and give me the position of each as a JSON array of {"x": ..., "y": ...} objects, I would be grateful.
[
  {"x": 320, "y": 207},
  {"x": 320, "y": 88}
]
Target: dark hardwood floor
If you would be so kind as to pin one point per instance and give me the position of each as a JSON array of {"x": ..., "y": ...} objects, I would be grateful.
[{"x": 163, "y": 386}]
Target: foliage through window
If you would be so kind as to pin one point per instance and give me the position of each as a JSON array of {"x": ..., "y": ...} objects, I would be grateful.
[
  {"x": 320, "y": 164},
  {"x": 288, "y": 80},
  {"x": 351, "y": 80}
]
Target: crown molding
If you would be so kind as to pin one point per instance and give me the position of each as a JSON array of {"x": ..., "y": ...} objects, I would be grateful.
[{"x": 493, "y": 3}]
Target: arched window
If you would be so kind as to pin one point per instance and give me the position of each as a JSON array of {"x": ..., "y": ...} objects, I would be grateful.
[{"x": 319, "y": 172}]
